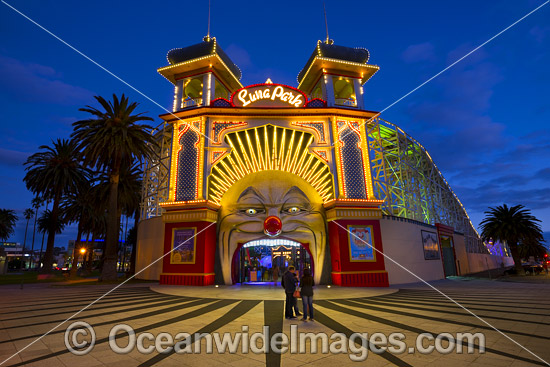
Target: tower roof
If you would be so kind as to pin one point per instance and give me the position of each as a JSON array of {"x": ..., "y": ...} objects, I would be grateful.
[
  {"x": 207, "y": 47},
  {"x": 329, "y": 55}
]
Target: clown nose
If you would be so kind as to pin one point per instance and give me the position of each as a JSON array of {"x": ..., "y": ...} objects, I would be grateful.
[{"x": 272, "y": 226}]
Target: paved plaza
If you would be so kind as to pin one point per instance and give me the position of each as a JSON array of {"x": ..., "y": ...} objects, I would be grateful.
[{"x": 519, "y": 310}]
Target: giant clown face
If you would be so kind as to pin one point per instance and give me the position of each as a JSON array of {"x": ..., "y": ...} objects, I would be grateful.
[{"x": 247, "y": 204}]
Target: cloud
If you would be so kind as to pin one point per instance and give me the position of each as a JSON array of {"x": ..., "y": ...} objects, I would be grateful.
[
  {"x": 29, "y": 82},
  {"x": 419, "y": 52},
  {"x": 13, "y": 157},
  {"x": 452, "y": 120},
  {"x": 481, "y": 197}
]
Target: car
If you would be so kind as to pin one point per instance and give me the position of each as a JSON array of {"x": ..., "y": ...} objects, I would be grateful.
[{"x": 533, "y": 268}]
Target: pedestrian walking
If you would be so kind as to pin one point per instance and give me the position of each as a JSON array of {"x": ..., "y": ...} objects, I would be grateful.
[{"x": 306, "y": 291}]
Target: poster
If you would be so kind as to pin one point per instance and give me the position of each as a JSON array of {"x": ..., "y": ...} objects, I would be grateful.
[
  {"x": 183, "y": 246},
  {"x": 361, "y": 244},
  {"x": 431, "y": 247}
]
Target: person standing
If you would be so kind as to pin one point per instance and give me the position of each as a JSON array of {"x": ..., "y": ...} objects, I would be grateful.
[
  {"x": 306, "y": 284},
  {"x": 289, "y": 284}
]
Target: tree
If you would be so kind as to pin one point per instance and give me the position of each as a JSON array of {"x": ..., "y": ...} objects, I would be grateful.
[
  {"x": 47, "y": 222},
  {"x": 511, "y": 225},
  {"x": 28, "y": 213},
  {"x": 7, "y": 223},
  {"x": 532, "y": 247},
  {"x": 109, "y": 141},
  {"x": 52, "y": 173},
  {"x": 36, "y": 204},
  {"x": 78, "y": 206}
]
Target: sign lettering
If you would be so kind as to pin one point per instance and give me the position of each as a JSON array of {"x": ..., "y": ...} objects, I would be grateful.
[{"x": 268, "y": 95}]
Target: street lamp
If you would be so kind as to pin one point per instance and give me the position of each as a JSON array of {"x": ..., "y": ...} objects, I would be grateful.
[{"x": 82, "y": 250}]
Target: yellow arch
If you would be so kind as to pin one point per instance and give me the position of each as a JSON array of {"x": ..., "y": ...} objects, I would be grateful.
[{"x": 266, "y": 148}]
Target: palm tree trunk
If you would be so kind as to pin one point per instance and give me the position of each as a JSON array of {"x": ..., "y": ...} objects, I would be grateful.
[
  {"x": 517, "y": 258},
  {"x": 33, "y": 233},
  {"x": 90, "y": 261},
  {"x": 48, "y": 256},
  {"x": 86, "y": 257},
  {"x": 134, "y": 245},
  {"x": 76, "y": 252},
  {"x": 40, "y": 261},
  {"x": 111, "y": 241},
  {"x": 25, "y": 242}
]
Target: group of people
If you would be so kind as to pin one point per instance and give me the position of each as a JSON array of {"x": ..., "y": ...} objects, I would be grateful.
[{"x": 291, "y": 284}]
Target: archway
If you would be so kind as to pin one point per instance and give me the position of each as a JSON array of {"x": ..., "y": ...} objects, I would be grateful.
[{"x": 253, "y": 262}]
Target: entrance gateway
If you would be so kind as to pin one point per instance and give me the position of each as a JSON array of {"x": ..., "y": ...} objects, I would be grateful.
[
  {"x": 255, "y": 261},
  {"x": 310, "y": 165}
]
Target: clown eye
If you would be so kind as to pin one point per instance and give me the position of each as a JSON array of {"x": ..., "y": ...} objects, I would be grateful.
[
  {"x": 250, "y": 211},
  {"x": 293, "y": 210}
]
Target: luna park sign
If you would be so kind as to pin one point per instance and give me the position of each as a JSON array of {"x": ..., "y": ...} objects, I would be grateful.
[{"x": 268, "y": 95}]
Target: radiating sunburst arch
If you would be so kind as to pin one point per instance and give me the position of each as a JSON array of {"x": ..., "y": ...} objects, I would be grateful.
[{"x": 266, "y": 148}]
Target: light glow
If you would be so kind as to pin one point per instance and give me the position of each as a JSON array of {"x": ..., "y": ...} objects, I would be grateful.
[{"x": 272, "y": 243}]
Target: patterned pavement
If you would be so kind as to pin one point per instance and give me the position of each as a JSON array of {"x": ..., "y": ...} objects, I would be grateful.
[{"x": 521, "y": 311}]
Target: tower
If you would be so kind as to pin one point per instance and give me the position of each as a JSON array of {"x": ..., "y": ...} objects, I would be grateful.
[
  {"x": 337, "y": 74},
  {"x": 200, "y": 73}
]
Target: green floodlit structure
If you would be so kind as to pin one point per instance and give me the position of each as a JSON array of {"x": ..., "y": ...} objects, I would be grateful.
[
  {"x": 412, "y": 187},
  {"x": 403, "y": 173}
]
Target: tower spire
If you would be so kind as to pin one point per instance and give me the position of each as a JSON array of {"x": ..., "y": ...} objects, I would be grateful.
[
  {"x": 207, "y": 38},
  {"x": 327, "y": 41}
]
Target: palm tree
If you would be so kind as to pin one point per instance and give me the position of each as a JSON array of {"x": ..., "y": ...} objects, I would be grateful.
[
  {"x": 109, "y": 141},
  {"x": 129, "y": 193},
  {"x": 7, "y": 223},
  {"x": 28, "y": 213},
  {"x": 511, "y": 225},
  {"x": 51, "y": 173},
  {"x": 78, "y": 206},
  {"x": 47, "y": 223},
  {"x": 36, "y": 204},
  {"x": 532, "y": 247},
  {"x": 98, "y": 228}
]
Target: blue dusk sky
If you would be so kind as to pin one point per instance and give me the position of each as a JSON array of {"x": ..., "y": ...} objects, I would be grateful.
[{"x": 484, "y": 121}]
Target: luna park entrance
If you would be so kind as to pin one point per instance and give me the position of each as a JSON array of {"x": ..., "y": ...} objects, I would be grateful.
[{"x": 263, "y": 261}]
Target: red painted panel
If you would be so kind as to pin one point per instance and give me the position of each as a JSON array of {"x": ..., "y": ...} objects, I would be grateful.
[
  {"x": 205, "y": 247},
  {"x": 340, "y": 252},
  {"x": 198, "y": 280}
]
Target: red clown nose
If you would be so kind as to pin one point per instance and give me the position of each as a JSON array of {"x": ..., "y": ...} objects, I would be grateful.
[{"x": 273, "y": 226}]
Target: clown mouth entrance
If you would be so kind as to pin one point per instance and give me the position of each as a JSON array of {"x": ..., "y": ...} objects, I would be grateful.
[{"x": 265, "y": 261}]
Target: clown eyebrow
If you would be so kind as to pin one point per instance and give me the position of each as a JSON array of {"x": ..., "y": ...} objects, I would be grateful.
[
  {"x": 295, "y": 190},
  {"x": 251, "y": 191}
]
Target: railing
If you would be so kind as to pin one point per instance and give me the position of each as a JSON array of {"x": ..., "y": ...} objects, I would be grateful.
[
  {"x": 191, "y": 102},
  {"x": 346, "y": 102}
]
